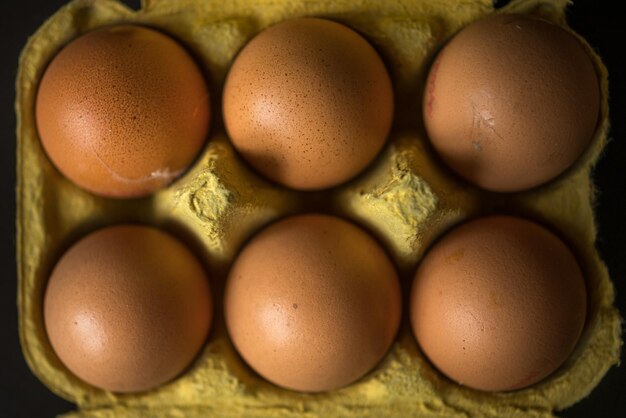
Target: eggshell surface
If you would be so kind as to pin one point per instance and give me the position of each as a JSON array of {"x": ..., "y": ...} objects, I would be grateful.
[
  {"x": 312, "y": 303},
  {"x": 308, "y": 103},
  {"x": 406, "y": 198},
  {"x": 122, "y": 111},
  {"x": 127, "y": 308},
  {"x": 511, "y": 102},
  {"x": 498, "y": 303}
]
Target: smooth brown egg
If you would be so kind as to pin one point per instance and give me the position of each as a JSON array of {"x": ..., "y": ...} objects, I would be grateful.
[
  {"x": 308, "y": 103},
  {"x": 122, "y": 111},
  {"x": 127, "y": 308},
  {"x": 498, "y": 303},
  {"x": 511, "y": 102},
  {"x": 312, "y": 303}
]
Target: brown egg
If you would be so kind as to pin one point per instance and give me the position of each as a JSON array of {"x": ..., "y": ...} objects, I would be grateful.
[
  {"x": 308, "y": 103},
  {"x": 312, "y": 303},
  {"x": 498, "y": 303},
  {"x": 122, "y": 111},
  {"x": 511, "y": 102},
  {"x": 127, "y": 308}
]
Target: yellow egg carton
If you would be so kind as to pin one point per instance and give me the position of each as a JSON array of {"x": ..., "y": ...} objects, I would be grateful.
[{"x": 407, "y": 198}]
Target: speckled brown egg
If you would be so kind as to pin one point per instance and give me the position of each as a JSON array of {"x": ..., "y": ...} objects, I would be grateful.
[
  {"x": 511, "y": 102},
  {"x": 312, "y": 303},
  {"x": 308, "y": 103},
  {"x": 498, "y": 303},
  {"x": 122, "y": 111},
  {"x": 127, "y": 308}
]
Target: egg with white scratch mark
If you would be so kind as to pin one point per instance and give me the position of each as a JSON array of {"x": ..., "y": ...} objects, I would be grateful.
[
  {"x": 511, "y": 102},
  {"x": 122, "y": 111}
]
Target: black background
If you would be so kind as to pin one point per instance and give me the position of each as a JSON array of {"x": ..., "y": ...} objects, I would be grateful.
[{"x": 600, "y": 22}]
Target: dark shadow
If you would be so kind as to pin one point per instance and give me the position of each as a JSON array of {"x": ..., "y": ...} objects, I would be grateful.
[
  {"x": 132, "y": 4},
  {"x": 499, "y": 4}
]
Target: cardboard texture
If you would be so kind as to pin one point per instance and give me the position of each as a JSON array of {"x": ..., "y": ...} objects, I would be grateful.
[{"x": 407, "y": 198}]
